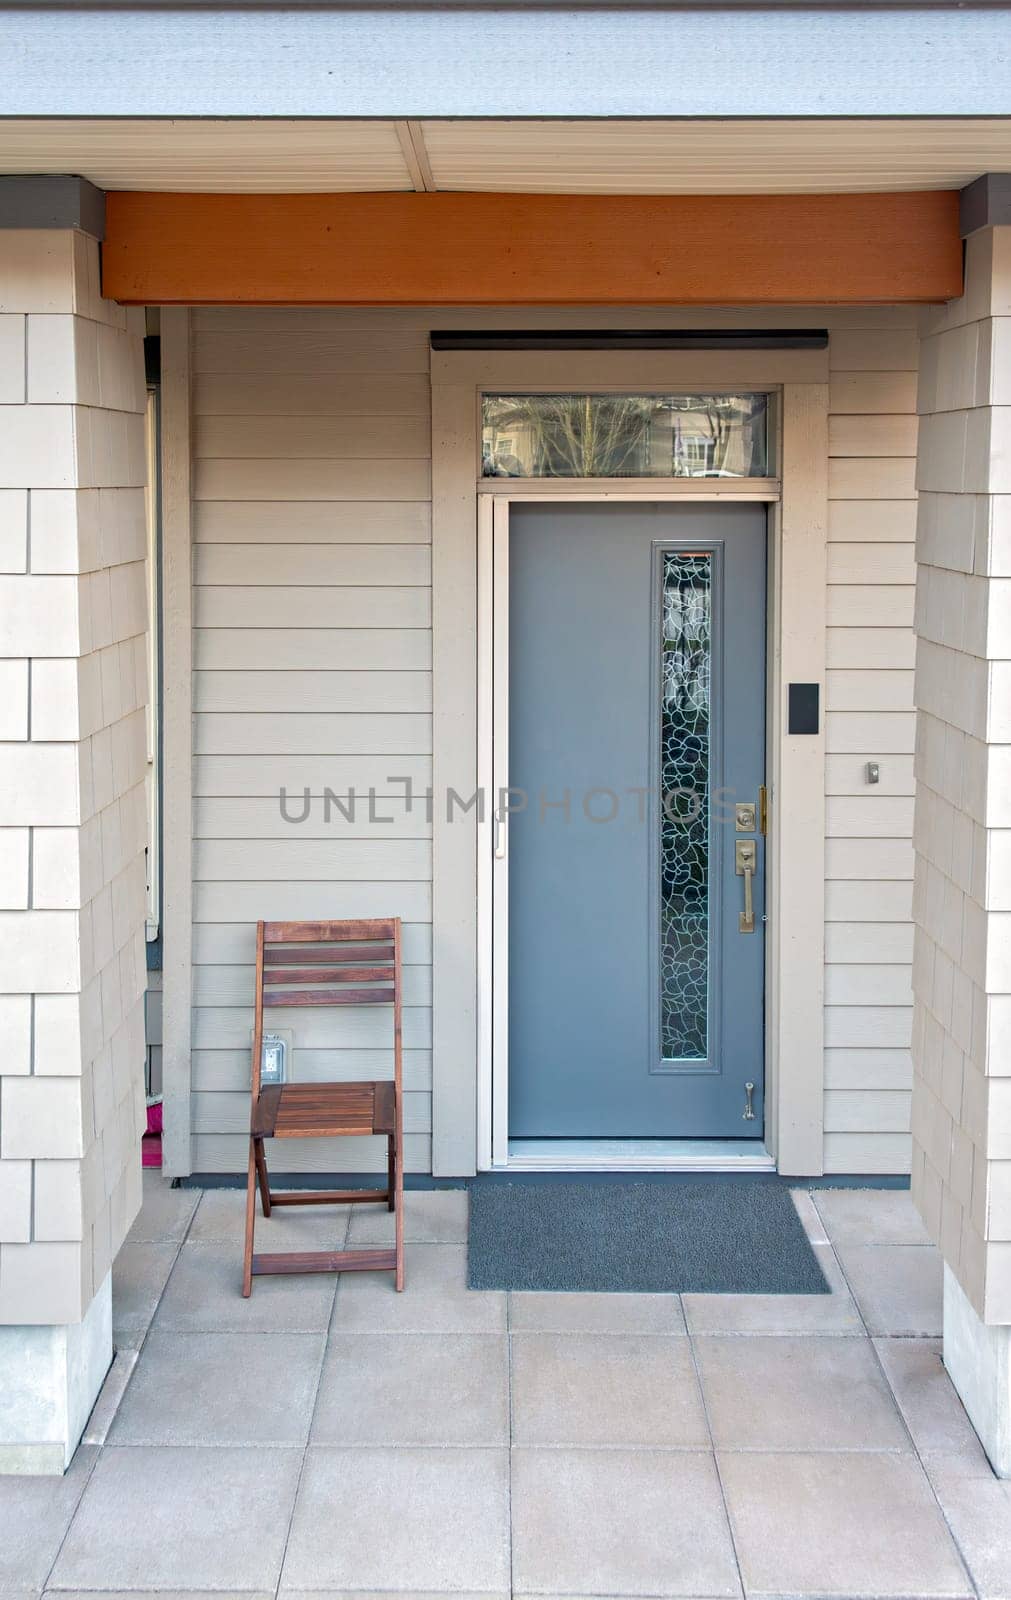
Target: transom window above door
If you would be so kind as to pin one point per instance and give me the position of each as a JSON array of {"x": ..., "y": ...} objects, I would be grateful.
[{"x": 625, "y": 436}]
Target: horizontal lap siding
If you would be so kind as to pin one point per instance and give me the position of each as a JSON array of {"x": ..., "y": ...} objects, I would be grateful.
[
  {"x": 312, "y": 654},
  {"x": 153, "y": 1031},
  {"x": 869, "y": 717},
  {"x": 312, "y": 671}
]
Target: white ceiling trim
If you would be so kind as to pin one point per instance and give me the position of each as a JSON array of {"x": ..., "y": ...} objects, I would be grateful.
[
  {"x": 226, "y": 156},
  {"x": 603, "y": 156},
  {"x": 731, "y": 157}
]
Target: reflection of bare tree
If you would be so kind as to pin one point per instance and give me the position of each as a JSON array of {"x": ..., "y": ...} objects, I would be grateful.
[
  {"x": 724, "y": 420},
  {"x": 687, "y": 634},
  {"x": 684, "y": 829},
  {"x": 617, "y": 436},
  {"x": 577, "y": 436}
]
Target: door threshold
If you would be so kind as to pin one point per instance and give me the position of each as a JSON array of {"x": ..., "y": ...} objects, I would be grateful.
[{"x": 638, "y": 1155}]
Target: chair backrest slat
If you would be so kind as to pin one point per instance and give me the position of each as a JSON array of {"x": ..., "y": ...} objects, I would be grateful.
[
  {"x": 327, "y": 955},
  {"x": 328, "y": 997},
  {"x": 318, "y": 975},
  {"x": 353, "y": 963},
  {"x": 328, "y": 932}
]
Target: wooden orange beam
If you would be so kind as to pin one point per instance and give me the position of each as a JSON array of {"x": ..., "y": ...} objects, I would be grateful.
[{"x": 541, "y": 249}]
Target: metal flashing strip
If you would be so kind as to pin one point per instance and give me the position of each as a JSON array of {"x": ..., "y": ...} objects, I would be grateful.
[
  {"x": 638, "y": 1155},
  {"x": 52, "y": 201},
  {"x": 632, "y": 339}
]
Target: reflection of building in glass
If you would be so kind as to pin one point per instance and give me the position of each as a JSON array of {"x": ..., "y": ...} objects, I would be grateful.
[{"x": 625, "y": 436}]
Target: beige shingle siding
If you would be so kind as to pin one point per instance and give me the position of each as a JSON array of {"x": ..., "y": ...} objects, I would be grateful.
[
  {"x": 961, "y": 1176},
  {"x": 72, "y": 810}
]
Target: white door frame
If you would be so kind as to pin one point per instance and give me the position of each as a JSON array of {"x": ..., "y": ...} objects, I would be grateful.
[
  {"x": 463, "y": 513},
  {"x": 495, "y": 499}
]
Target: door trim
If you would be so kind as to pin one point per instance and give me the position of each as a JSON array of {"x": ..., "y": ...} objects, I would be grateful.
[
  {"x": 462, "y": 509},
  {"x": 177, "y": 469}
]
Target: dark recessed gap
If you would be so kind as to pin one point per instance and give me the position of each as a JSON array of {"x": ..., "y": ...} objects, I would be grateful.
[{"x": 633, "y": 339}]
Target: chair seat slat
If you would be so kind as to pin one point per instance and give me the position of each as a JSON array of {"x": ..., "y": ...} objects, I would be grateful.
[{"x": 322, "y": 1110}]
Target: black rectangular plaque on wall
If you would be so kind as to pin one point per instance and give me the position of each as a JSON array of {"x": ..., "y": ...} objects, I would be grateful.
[{"x": 802, "y": 708}]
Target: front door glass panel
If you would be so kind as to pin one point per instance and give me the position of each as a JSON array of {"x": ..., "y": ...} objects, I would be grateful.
[{"x": 685, "y": 688}]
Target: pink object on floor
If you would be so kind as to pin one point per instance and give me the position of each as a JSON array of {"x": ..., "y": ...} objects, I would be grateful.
[{"x": 150, "y": 1144}]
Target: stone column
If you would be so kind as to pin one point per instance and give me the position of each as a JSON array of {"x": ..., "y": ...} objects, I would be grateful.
[
  {"x": 72, "y": 813},
  {"x": 961, "y": 1174}
]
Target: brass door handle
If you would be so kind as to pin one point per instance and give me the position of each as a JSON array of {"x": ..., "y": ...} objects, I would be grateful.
[{"x": 745, "y": 859}]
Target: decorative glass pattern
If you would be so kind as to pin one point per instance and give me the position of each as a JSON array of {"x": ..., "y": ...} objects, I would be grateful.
[
  {"x": 625, "y": 436},
  {"x": 684, "y": 828}
]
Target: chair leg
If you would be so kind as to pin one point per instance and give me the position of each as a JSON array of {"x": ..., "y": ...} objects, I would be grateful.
[
  {"x": 398, "y": 1214},
  {"x": 391, "y": 1173},
  {"x": 261, "y": 1174},
  {"x": 247, "y": 1264}
]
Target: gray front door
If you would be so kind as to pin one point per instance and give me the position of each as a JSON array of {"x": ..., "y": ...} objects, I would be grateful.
[{"x": 636, "y": 723}]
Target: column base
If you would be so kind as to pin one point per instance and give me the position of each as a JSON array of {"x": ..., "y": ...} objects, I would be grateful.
[
  {"x": 978, "y": 1360},
  {"x": 49, "y": 1382}
]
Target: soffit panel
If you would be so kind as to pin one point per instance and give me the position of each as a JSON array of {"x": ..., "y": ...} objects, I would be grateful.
[
  {"x": 726, "y": 157},
  {"x": 606, "y": 156},
  {"x": 228, "y": 156}
]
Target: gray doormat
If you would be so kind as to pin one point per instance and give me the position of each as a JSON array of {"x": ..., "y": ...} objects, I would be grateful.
[{"x": 707, "y": 1235}]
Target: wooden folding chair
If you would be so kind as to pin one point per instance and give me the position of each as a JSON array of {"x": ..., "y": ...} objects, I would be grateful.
[{"x": 326, "y": 964}]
